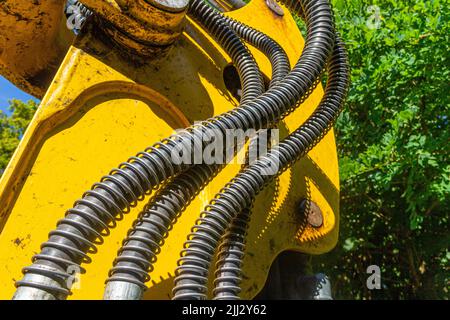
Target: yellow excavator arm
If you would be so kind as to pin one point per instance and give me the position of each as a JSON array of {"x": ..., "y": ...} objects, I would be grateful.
[{"x": 135, "y": 74}]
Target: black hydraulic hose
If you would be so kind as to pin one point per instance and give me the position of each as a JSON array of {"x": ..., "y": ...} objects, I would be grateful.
[
  {"x": 192, "y": 273},
  {"x": 90, "y": 219},
  {"x": 137, "y": 255},
  {"x": 231, "y": 251},
  {"x": 228, "y": 274},
  {"x": 276, "y": 54},
  {"x": 99, "y": 209},
  {"x": 270, "y": 107},
  {"x": 249, "y": 73}
]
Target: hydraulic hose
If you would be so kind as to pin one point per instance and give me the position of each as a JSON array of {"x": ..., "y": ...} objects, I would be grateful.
[
  {"x": 92, "y": 216},
  {"x": 231, "y": 252},
  {"x": 276, "y": 54},
  {"x": 144, "y": 240},
  {"x": 228, "y": 274},
  {"x": 192, "y": 273},
  {"x": 89, "y": 221},
  {"x": 137, "y": 255},
  {"x": 249, "y": 73}
]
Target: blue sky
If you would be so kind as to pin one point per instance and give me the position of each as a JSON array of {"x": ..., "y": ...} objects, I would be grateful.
[{"x": 9, "y": 91}]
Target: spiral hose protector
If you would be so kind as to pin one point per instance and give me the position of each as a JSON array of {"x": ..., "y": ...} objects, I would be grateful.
[
  {"x": 276, "y": 54},
  {"x": 85, "y": 225},
  {"x": 144, "y": 240},
  {"x": 230, "y": 258},
  {"x": 231, "y": 251},
  {"x": 137, "y": 255},
  {"x": 192, "y": 273},
  {"x": 88, "y": 222},
  {"x": 217, "y": 26}
]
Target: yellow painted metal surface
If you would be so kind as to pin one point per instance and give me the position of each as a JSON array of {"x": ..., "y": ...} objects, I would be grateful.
[
  {"x": 136, "y": 24},
  {"x": 33, "y": 42},
  {"x": 100, "y": 109}
]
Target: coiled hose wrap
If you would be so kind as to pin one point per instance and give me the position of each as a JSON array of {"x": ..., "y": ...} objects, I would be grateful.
[
  {"x": 85, "y": 225},
  {"x": 144, "y": 240},
  {"x": 277, "y": 57},
  {"x": 90, "y": 219},
  {"x": 135, "y": 258},
  {"x": 228, "y": 274},
  {"x": 192, "y": 273}
]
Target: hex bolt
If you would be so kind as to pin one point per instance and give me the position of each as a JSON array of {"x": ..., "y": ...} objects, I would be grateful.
[
  {"x": 314, "y": 216},
  {"x": 274, "y": 6}
]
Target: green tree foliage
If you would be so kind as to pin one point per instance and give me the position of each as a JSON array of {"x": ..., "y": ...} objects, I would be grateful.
[
  {"x": 393, "y": 140},
  {"x": 12, "y": 128}
]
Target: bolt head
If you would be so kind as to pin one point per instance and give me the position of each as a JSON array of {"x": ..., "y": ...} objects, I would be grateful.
[
  {"x": 273, "y": 5},
  {"x": 314, "y": 215}
]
